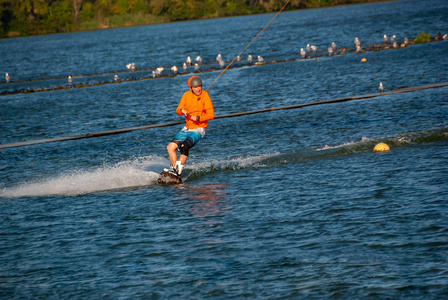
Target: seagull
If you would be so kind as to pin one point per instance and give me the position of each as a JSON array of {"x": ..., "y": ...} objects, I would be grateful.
[
  {"x": 333, "y": 45},
  {"x": 392, "y": 38},
  {"x": 219, "y": 57},
  {"x": 395, "y": 45},
  {"x": 357, "y": 41},
  {"x": 131, "y": 66},
  {"x": 313, "y": 48},
  {"x": 116, "y": 77},
  {"x": 308, "y": 48},
  {"x": 7, "y": 77},
  {"x": 189, "y": 60},
  {"x": 174, "y": 69},
  {"x": 330, "y": 51},
  {"x": 70, "y": 81},
  {"x": 260, "y": 58},
  {"x": 159, "y": 70},
  {"x": 221, "y": 63},
  {"x": 381, "y": 87},
  {"x": 406, "y": 41},
  {"x": 302, "y": 52},
  {"x": 249, "y": 58},
  {"x": 238, "y": 58},
  {"x": 199, "y": 59},
  {"x": 445, "y": 36},
  {"x": 358, "y": 48},
  {"x": 196, "y": 66},
  {"x": 385, "y": 38},
  {"x": 185, "y": 67},
  {"x": 154, "y": 74}
]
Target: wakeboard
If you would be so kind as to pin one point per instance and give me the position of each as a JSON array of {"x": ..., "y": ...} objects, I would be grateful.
[{"x": 168, "y": 178}]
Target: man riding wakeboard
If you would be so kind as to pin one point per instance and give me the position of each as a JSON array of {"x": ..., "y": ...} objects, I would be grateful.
[{"x": 197, "y": 108}]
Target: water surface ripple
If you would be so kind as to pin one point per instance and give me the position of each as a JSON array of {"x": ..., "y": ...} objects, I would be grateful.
[{"x": 284, "y": 205}]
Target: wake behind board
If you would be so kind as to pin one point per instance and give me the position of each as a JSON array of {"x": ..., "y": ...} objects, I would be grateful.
[{"x": 168, "y": 178}]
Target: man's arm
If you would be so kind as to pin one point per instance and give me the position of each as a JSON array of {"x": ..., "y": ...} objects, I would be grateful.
[
  {"x": 181, "y": 107},
  {"x": 208, "y": 113}
]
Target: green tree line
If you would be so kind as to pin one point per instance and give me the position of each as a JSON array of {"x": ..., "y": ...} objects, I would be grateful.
[{"x": 33, "y": 17}]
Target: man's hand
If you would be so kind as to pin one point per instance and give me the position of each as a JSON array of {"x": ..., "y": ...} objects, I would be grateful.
[{"x": 185, "y": 113}]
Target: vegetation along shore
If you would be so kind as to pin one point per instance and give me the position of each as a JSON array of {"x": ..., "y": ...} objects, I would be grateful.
[{"x": 35, "y": 17}]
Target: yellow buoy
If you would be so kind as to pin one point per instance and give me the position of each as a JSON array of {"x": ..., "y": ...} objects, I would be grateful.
[
  {"x": 381, "y": 147},
  {"x": 363, "y": 60}
]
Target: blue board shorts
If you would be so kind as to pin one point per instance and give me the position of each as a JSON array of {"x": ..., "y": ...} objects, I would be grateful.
[{"x": 193, "y": 135}]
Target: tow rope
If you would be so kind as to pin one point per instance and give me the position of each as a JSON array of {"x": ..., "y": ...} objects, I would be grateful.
[
  {"x": 248, "y": 45},
  {"x": 264, "y": 110}
]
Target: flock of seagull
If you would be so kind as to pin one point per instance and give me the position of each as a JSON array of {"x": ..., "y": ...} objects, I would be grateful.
[
  {"x": 303, "y": 52},
  {"x": 312, "y": 48},
  {"x": 188, "y": 63}
]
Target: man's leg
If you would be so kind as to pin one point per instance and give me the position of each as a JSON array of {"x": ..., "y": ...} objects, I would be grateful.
[
  {"x": 171, "y": 148},
  {"x": 183, "y": 159},
  {"x": 191, "y": 138}
]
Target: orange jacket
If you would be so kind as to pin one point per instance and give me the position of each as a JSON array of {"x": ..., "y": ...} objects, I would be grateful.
[{"x": 201, "y": 106}]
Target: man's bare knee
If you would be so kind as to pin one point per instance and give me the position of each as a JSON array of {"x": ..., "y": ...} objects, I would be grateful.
[{"x": 171, "y": 147}]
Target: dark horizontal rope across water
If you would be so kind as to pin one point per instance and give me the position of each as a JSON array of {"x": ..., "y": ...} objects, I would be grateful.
[
  {"x": 319, "y": 53},
  {"x": 118, "y": 131}
]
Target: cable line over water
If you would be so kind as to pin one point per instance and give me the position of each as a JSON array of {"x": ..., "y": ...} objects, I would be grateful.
[
  {"x": 265, "y": 110},
  {"x": 248, "y": 45}
]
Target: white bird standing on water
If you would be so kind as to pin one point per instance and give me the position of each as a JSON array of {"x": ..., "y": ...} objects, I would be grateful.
[
  {"x": 249, "y": 58},
  {"x": 70, "y": 81},
  {"x": 333, "y": 45},
  {"x": 7, "y": 77},
  {"x": 174, "y": 69},
  {"x": 116, "y": 77},
  {"x": 302, "y": 52},
  {"x": 357, "y": 41},
  {"x": 159, "y": 70},
  {"x": 219, "y": 57},
  {"x": 189, "y": 60},
  {"x": 238, "y": 58},
  {"x": 392, "y": 38},
  {"x": 381, "y": 87},
  {"x": 259, "y": 58},
  {"x": 330, "y": 51},
  {"x": 131, "y": 66},
  {"x": 196, "y": 66},
  {"x": 313, "y": 48},
  {"x": 199, "y": 59},
  {"x": 221, "y": 63},
  {"x": 385, "y": 38},
  {"x": 308, "y": 48},
  {"x": 184, "y": 66}
]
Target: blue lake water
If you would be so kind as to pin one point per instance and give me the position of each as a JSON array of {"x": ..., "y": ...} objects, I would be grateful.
[{"x": 286, "y": 204}]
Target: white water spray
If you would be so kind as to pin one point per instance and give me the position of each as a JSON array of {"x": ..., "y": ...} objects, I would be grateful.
[{"x": 125, "y": 174}]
